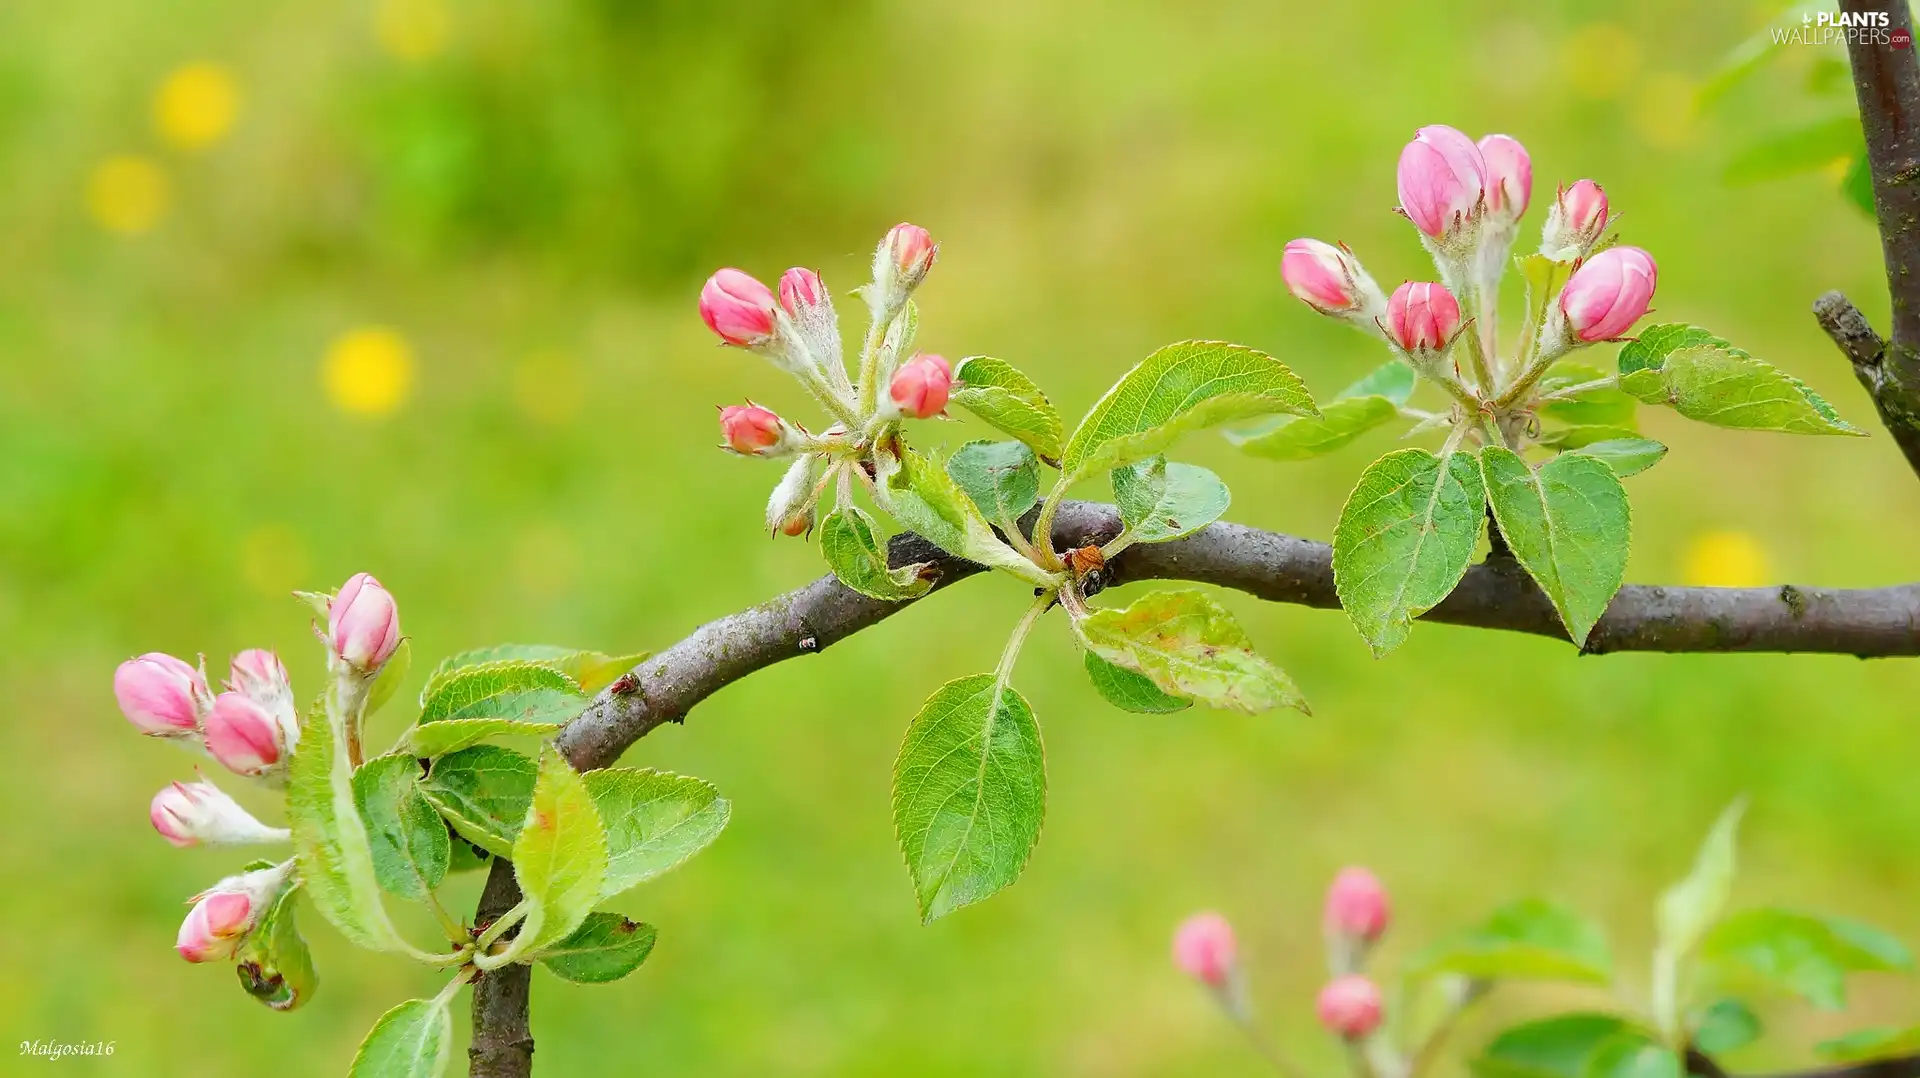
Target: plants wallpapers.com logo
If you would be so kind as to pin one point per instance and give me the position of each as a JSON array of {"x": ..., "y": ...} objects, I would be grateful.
[{"x": 1844, "y": 28}]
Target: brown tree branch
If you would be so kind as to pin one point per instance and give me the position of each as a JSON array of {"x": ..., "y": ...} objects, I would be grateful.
[{"x": 1886, "y": 83}]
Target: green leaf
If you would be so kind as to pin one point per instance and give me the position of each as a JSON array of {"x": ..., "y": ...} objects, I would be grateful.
[
  {"x": 1404, "y": 539},
  {"x": 969, "y": 792},
  {"x": 330, "y": 841},
  {"x": 1726, "y": 1026},
  {"x": 451, "y": 735},
  {"x": 274, "y": 964},
  {"x": 517, "y": 689},
  {"x": 654, "y": 820},
  {"x": 1189, "y": 646},
  {"x": 926, "y": 501},
  {"x": 1563, "y": 1046},
  {"x": 1632, "y": 1055},
  {"x": 605, "y": 948},
  {"x": 1807, "y": 955},
  {"x": 1567, "y": 523},
  {"x": 483, "y": 792},
  {"x": 559, "y": 857},
  {"x": 1393, "y": 380},
  {"x": 1565, "y": 438},
  {"x": 1718, "y": 384},
  {"x": 1161, "y": 501},
  {"x": 407, "y": 838},
  {"x": 1009, "y": 401},
  {"x": 1857, "y": 186},
  {"x": 1299, "y": 438},
  {"x": 466, "y": 856},
  {"x": 390, "y": 677},
  {"x": 1649, "y": 350},
  {"x": 1689, "y": 908},
  {"x": 413, "y": 1040},
  {"x": 1806, "y": 148},
  {"x": 1527, "y": 940},
  {"x": 1866, "y": 1045},
  {"x": 1000, "y": 477},
  {"x": 1626, "y": 456},
  {"x": 1130, "y": 691},
  {"x": 592, "y": 670},
  {"x": 1182, "y": 387},
  {"x": 1599, "y": 406},
  {"x": 848, "y": 544}
]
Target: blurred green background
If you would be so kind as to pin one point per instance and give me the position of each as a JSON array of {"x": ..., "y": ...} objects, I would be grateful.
[{"x": 293, "y": 290}]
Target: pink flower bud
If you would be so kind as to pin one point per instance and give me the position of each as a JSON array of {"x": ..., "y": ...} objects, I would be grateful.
[
  {"x": 215, "y": 926},
  {"x": 1204, "y": 949},
  {"x": 1356, "y": 905},
  {"x": 737, "y": 308},
  {"x": 363, "y": 624},
  {"x": 801, "y": 289},
  {"x": 920, "y": 387},
  {"x": 900, "y": 263},
  {"x": 1509, "y": 176},
  {"x": 1576, "y": 222},
  {"x": 162, "y": 695},
  {"x": 260, "y": 674},
  {"x": 1422, "y": 317},
  {"x": 1609, "y": 293},
  {"x": 1350, "y": 1006},
  {"x": 191, "y": 813},
  {"x": 1328, "y": 278},
  {"x": 244, "y": 736},
  {"x": 1442, "y": 179},
  {"x": 751, "y": 430}
]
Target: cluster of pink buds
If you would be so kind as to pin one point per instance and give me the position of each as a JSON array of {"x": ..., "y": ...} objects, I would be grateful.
[
  {"x": 1350, "y": 1006},
  {"x": 797, "y": 328},
  {"x": 252, "y": 728},
  {"x": 1466, "y": 199}
]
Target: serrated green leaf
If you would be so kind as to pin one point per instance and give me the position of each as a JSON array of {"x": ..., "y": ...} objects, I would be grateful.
[
  {"x": 591, "y": 670},
  {"x": 1806, "y": 148},
  {"x": 330, "y": 841},
  {"x": 1404, "y": 539},
  {"x": 1393, "y": 380},
  {"x": 1182, "y": 387},
  {"x": 1725, "y": 1026},
  {"x": 1563, "y": 1046},
  {"x": 391, "y": 675},
  {"x": 848, "y": 544},
  {"x": 483, "y": 791},
  {"x": 1692, "y": 906},
  {"x": 1730, "y": 389},
  {"x": 1626, "y": 456},
  {"x": 1160, "y": 501},
  {"x": 654, "y": 820},
  {"x": 605, "y": 948},
  {"x": 1567, "y": 524},
  {"x": 1300, "y": 438},
  {"x": 1010, "y": 402},
  {"x": 1807, "y": 955},
  {"x": 407, "y": 838},
  {"x": 413, "y": 1040},
  {"x": 969, "y": 792},
  {"x": 926, "y": 501},
  {"x": 1002, "y": 478},
  {"x": 1130, "y": 691},
  {"x": 1531, "y": 939},
  {"x": 1650, "y": 349},
  {"x": 1565, "y": 438},
  {"x": 452, "y": 735},
  {"x": 517, "y": 689},
  {"x": 559, "y": 857},
  {"x": 273, "y": 962},
  {"x": 1866, "y": 1045},
  {"x": 1189, "y": 646}
]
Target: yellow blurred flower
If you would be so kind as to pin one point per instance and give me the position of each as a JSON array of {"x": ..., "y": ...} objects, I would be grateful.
[
  {"x": 412, "y": 30},
  {"x": 1599, "y": 60},
  {"x": 547, "y": 387},
  {"x": 128, "y": 194},
  {"x": 273, "y": 559},
  {"x": 368, "y": 371},
  {"x": 1663, "y": 110},
  {"x": 196, "y": 105},
  {"x": 1726, "y": 559}
]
